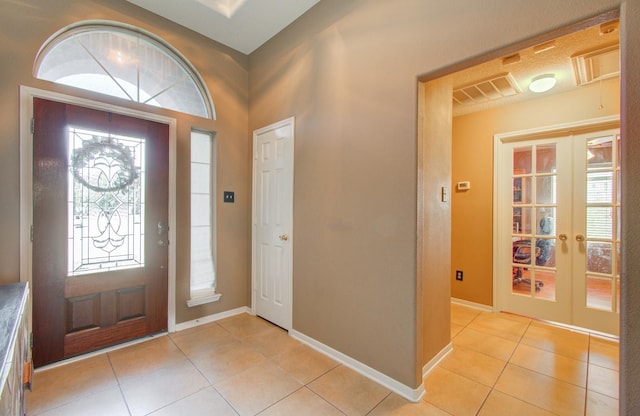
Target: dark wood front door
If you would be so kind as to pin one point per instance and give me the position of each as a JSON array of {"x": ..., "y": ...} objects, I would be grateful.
[{"x": 100, "y": 209}]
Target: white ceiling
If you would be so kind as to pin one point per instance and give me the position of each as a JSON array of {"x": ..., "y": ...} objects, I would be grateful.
[{"x": 243, "y": 25}]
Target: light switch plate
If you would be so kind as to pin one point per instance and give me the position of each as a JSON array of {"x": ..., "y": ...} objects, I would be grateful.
[{"x": 464, "y": 186}]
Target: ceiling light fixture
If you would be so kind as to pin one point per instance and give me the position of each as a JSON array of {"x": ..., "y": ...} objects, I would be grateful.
[{"x": 542, "y": 83}]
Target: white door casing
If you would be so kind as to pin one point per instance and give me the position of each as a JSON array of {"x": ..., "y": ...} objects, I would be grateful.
[{"x": 272, "y": 223}]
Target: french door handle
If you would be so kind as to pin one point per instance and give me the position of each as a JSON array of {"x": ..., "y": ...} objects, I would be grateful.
[
  {"x": 283, "y": 237},
  {"x": 579, "y": 238},
  {"x": 562, "y": 237}
]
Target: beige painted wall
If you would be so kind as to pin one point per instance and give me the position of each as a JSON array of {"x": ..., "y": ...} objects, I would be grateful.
[
  {"x": 25, "y": 25},
  {"x": 347, "y": 71},
  {"x": 630, "y": 311},
  {"x": 434, "y": 212},
  {"x": 472, "y": 210}
]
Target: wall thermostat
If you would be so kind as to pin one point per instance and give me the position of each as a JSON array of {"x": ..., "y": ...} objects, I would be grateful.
[{"x": 464, "y": 186}]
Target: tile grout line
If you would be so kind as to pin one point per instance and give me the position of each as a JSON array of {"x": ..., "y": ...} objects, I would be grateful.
[
  {"x": 586, "y": 386},
  {"x": 113, "y": 370},
  {"x": 503, "y": 369},
  {"x": 378, "y": 404},
  {"x": 202, "y": 374}
]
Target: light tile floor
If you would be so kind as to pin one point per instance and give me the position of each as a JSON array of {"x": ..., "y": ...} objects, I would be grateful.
[{"x": 500, "y": 365}]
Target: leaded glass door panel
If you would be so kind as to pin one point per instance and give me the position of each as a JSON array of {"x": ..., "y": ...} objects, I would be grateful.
[{"x": 99, "y": 239}]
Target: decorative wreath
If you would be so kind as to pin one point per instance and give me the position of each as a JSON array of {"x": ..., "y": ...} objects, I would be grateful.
[{"x": 114, "y": 154}]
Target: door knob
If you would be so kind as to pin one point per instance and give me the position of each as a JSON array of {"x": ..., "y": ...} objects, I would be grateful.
[
  {"x": 579, "y": 238},
  {"x": 283, "y": 237},
  {"x": 562, "y": 237}
]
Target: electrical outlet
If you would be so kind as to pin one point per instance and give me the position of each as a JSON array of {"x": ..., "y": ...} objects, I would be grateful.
[
  {"x": 229, "y": 197},
  {"x": 459, "y": 275}
]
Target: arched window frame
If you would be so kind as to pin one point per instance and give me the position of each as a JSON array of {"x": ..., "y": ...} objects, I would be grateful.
[{"x": 67, "y": 33}]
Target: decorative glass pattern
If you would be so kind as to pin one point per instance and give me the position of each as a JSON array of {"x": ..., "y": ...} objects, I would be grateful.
[
  {"x": 126, "y": 62},
  {"x": 105, "y": 202}
]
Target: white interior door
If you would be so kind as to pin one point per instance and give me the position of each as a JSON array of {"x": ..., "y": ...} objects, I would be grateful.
[
  {"x": 535, "y": 208},
  {"x": 596, "y": 230},
  {"x": 273, "y": 222},
  {"x": 558, "y": 231}
]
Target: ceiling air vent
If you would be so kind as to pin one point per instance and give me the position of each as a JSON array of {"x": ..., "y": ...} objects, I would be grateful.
[
  {"x": 596, "y": 64},
  {"x": 499, "y": 86}
]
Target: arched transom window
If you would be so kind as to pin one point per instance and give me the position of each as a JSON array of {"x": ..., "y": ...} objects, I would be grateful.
[{"x": 125, "y": 62}]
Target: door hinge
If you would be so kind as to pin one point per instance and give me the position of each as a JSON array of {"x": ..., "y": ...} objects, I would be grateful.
[
  {"x": 33, "y": 125},
  {"x": 31, "y": 234}
]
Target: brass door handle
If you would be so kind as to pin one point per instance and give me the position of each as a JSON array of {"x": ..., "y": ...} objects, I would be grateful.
[
  {"x": 283, "y": 237},
  {"x": 562, "y": 237},
  {"x": 579, "y": 238}
]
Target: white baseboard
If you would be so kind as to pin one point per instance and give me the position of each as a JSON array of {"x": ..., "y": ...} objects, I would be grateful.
[
  {"x": 211, "y": 318},
  {"x": 479, "y": 306},
  {"x": 413, "y": 395},
  {"x": 428, "y": 367}
]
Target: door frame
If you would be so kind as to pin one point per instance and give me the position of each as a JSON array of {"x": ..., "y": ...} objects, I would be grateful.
[
  {"x": 27, "y": 94},
  {"x": 576, "y": 127},
  {"x": 254, "y": 203}
]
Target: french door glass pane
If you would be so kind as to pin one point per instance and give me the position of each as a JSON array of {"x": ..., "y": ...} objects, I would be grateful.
[
  {"x": 600, "y": 222},
  {"x": 546, "y": 189},
  {"x": 546, "y": 158},
  {"x": 546, "y": 252},
  {"x": 619, "y": 152},
  {"x": 600, "y": 187},
  {"x": 599, "y": 153},
  {"x": 521, "y": 220},
  {"x": 522, "y": 160},
  {"x": 522, "y": 190},
  {"x": 546, "y": 284},
  {"x": 599, "y": 257},
  {"x": 599, "y": 291},
  {"x": 546, "y": 221}
]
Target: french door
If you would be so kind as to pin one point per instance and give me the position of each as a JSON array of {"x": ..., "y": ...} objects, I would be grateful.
[
  {"x": 100, "y": 208},
  {"x": 559, "y": 229}
]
